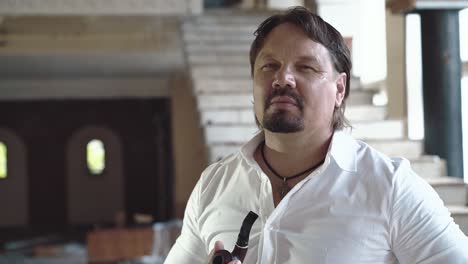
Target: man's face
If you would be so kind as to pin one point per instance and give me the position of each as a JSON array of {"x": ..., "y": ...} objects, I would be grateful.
[{"x": 295, "y": 84}]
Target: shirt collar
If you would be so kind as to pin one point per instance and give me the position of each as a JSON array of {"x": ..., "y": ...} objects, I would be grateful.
[
  {"x": 248, "y": 149},
  {"x": 342, "y": 149}
]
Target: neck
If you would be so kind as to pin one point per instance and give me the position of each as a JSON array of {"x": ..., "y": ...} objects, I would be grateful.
[{"x": 293, "y": 152}]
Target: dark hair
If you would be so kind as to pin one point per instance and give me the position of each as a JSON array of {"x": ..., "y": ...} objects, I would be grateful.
[{"x": 319, "y": 31}]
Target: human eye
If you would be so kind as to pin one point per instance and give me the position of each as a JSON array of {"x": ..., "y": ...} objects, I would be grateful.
[
  {"x": 269, "y": 66},
  {"x": 306, "y": 67}
]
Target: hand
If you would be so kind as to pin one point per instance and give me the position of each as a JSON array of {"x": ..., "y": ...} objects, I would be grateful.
[{"x": 219, "y": 246}]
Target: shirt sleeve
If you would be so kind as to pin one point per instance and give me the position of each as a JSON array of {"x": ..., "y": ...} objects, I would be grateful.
[
  {"x": 421, "y": 228},
  {"x": 189, "y": 247}
]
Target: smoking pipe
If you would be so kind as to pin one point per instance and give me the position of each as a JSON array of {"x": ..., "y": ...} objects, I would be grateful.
[{"x": 242, "y": 244}]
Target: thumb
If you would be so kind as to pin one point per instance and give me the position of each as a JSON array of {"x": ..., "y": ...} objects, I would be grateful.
[{"x": 218, "y": 246}]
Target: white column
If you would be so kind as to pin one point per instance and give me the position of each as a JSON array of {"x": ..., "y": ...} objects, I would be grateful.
[
  {"x": 364, "y": 21},
  {"x": 396, "y": 66}
]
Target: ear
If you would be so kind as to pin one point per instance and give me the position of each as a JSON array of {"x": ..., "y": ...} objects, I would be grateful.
[{"x": 340, "y": 88}]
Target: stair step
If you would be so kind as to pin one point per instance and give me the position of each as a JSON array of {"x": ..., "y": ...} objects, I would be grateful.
[
  {"x": 194, "y": 37},
  {"x": 228, "y": 29},
  {"x": 219, "y": 59},
  {"x": 450, "y": 189},
  {"x": 225, "y": 101},
  {"x": 227, "y": 116},
  {"x": 239, "y": 113},
  {"x": 217, "y": 72},
  {"x": 229, "y": 134},
  {"x": 225, "y": 20},
  {"x": 429, "y": 166},
  {"x": 229, "y": 21},
  {"x": 216, "y": 99},
  {"x": 202, "y": 86},
  {"x": 365, "y": 113},
  {"x": 201, "y": 46},
  {"x": 379, "y": 130},
  {"x": 239, "y": 73},
  {"x": 394, "y": 148},
  {"x": 232, "y": 133},
  {"x": 460, "y": 216},
  {"x": 244, "y": 85},
  {"x": 409, "y": 149},
  {"x": 230, "y": 16}
]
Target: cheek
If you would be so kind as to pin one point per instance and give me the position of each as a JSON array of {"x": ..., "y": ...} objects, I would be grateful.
[
  {"x": 260, "y": 89},
  {"x": 321, "y": 98},
  {"x": 259, "y": 99}
]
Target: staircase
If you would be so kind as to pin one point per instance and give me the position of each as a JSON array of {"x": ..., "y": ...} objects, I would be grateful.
[{"x": 217, "y": 46}]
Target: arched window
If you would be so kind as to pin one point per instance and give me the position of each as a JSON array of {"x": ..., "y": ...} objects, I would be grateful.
[
  {"x": 95, "y": 157},
  {"x": 3, "y": 161}
]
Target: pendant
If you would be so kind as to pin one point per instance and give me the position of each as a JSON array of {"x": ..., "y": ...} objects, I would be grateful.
[{"x": 284, "y": 188}]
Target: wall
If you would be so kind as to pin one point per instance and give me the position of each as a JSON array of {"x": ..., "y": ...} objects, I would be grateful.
[
  {"x": 83, "y": 188},
  {"x": 14, "y": 198},
  {"x": 83, "y": 57},
  {"x": 188, "y": 141},
  {"x": 364, "y": 20}
]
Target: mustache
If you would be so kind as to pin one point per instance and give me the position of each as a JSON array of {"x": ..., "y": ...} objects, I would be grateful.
[{"x": 284, "y": 92}]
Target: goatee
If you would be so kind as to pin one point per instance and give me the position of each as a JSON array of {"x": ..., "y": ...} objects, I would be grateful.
[{"x": 281, "y": 120}]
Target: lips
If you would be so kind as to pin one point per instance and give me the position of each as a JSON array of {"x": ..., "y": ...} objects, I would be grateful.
[{"x": 283, "y": 100}]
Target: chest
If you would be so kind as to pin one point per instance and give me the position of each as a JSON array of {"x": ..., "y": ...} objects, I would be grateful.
[{"x": 330, "y": 231}]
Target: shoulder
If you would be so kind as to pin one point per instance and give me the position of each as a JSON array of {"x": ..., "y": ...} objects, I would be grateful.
[
  {"x": 231, "y": 165},
  {"x": 375, "y": 163},
  {"x": 231, "y": 161},
  {"x": 221, "y": 172},
  {"x": 390, "y": 178},
  {"x": 393, "y": 177},
  {"x": 356, "y": 156}
]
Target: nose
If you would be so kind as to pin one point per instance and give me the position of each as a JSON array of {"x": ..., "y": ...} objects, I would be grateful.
[{"x": 284, "y": 77}]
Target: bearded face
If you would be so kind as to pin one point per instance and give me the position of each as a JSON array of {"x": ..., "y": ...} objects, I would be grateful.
[
  {"x": 281, "y": 120},
  {"x": 296, "y": 87}
]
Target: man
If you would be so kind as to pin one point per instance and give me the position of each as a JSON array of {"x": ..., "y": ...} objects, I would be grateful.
[{"x": 321, "y": 196}]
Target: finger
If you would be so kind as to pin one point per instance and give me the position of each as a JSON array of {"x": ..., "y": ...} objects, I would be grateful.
[{"x": 218, "y": 246}]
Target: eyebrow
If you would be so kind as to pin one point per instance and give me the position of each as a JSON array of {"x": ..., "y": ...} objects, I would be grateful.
[
  {"x": 264, "y": 55},
  {"x": 308, "y": 58},
  {"x": 269, "y": 55}
]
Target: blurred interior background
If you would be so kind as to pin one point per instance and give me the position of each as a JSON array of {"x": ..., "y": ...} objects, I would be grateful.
[{"x": 110, "y": 110}]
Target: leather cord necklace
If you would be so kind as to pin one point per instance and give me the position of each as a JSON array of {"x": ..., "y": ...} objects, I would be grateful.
[{"x": 285, "y": 187}]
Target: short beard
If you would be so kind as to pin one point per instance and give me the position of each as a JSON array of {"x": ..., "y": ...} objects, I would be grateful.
[{"x": 282, "y": 121}]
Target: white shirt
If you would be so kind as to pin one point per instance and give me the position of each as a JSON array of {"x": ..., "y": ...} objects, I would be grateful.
[{"x": 359, "y": 207}]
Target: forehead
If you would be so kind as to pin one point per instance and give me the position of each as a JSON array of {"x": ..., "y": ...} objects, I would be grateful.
[{"x": 291, "y": 41}]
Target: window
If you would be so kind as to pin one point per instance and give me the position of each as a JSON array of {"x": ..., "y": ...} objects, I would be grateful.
[
  {"x": 3, "y": 161},
  {"x": 95, "y": 156}
]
